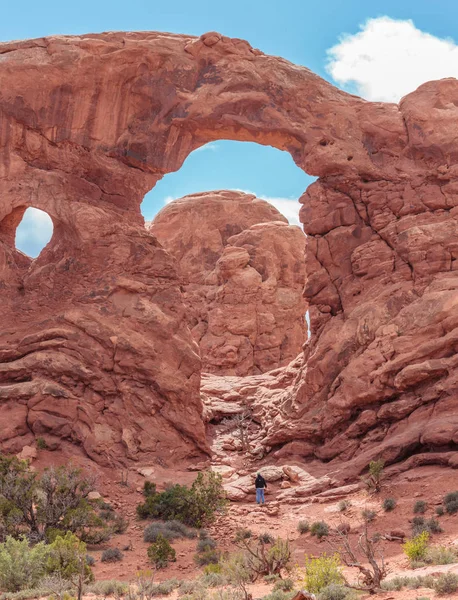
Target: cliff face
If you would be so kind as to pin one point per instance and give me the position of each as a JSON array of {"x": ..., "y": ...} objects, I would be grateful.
[
  {"x": 94, "y": 344},
  {"x": 243, "y": 274}
]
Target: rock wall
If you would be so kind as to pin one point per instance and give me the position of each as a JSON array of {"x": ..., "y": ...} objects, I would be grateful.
[
  {"x": 94, "y": 343},
  {"x": 243, "y": 274}
]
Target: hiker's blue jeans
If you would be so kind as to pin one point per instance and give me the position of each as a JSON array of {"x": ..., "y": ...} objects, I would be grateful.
[{"x": 260, "y": 495}]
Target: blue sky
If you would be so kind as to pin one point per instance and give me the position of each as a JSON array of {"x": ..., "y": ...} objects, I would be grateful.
[{"x": 378, "y": 49}]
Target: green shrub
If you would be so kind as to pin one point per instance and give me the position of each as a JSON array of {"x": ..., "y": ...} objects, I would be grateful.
[
  {"x": 303, "y": 526},
  {"x": 32, "y": 594},
  {"x": 67, "y": 558},
  {"x": 395, "y": 584},
  {"x": 319, "y": 529},
  {"x": 41, "y": 443},
  {"x": 206, "y": 544},
  {"x": 213, "y": 568},
  {"x": 207, "y": 557},
  {"x": 90, "y": 560},
  {"x": 161, "y": 552},
  {"x": 112, "y": 555},
  {"x": 419, "y": 525},
  {"x": 109, "y": 587},
  {"x": 170, "y": 530},
  {"x": 285, "y": 585},
  {"x": 336, "y": 591},
  {"x": 446, "y": 583},
  {"x": 243, "y": 534},
  {"x": 451, "y": 503},
  {"x": 389, "y": 504},
  {"x": 433, "y": 526},
  {"x": 212, "y": 579},
  {"x": 374, "y": 480},
  {"x": 368, "y": 515},
  {"x": 440, "y": 555},
  {"x": 21, "y": 566},
  {"x": 43, "y": 505},
  {"x": 164, "y": 588},
  {"x": 415, "y": 548},
  {"x": 419, "y": 508},
  {"x": 321, "y": 572},
  {"x": 190, "y": 587},
  {"x": 440, "y": 511},
  {"x": 193, "y": 506}
]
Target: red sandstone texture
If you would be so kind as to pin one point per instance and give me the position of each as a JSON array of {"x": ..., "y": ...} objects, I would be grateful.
[
  {"x": 243, "y": 276},
  {"x": 95, "y": 345}
]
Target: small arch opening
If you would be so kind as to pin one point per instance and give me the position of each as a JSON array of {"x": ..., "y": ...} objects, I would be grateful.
[{"x": 34, "y": 232}]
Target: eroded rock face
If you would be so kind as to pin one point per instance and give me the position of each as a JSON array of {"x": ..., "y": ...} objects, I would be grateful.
[
  {"x": 94, "y": 343},
  {"x": 243, "y": 274}
]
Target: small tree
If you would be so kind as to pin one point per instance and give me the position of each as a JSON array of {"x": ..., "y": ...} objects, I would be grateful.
[
  {"x": 21, "y": 566},
  {"x": 264, "y": 556},
  {"x": 48, "y": 505},
  {"x": 416, "y": 548},
  {"x": 67, "y": 558},
  {"x": 161, "y": 552},
  {"x": 374, "y": 480},
  {"x": 195, "y": 506},
  {"x": 321, "y": 572},
  {"x": 238, "y": 573},
  {"x": 366, "y": 551}
]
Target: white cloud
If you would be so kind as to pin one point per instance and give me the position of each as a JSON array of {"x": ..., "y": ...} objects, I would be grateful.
[
  {"x": 212, "y": 146},
  {"x": 389, "y": 58},
  {"x": 169, "y": 199},
  {"x": 34, "y": 232},
  {"x": 288, "y": 208}
]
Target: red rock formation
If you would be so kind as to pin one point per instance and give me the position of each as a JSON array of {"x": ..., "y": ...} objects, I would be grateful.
[
  {"x": 94, "y": 343},
  {"x": 244, "y": 273}
]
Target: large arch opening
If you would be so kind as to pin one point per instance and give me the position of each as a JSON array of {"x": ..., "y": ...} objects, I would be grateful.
[
  {"x": 268, "y": 173},
  {"x": 243, "y": 275}
]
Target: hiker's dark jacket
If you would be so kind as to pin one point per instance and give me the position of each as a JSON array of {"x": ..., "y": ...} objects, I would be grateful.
[{"x": 260, "y": 482}]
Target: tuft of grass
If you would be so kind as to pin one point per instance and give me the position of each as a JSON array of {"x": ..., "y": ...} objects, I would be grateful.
[
  {"x": 344, "y": 505},
  {"x": 206, "y": 544},
  {"x": 451, "y": 503},
  {"x": 170, "y": 530},
  {"x": 368, "y": 515},
  {"x": 303, "y": 526},
  {"x": 108, "y": 587},
  {"x": 446, "y": 583},
  {"x": 320, "y": 529},
  {"x": 419, "y": 508},
  {"x": 112, "y": 555},
  {"x": 440, "y": 555},
  {"x": 285, "y": 585},
  {"x": 389, "y": 504}
]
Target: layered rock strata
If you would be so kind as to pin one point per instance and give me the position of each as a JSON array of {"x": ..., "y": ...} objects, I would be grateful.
[{"x": 243, "y": 274}]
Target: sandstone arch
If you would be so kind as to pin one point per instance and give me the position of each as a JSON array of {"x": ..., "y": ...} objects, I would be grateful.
[{"x": 114, "y": 113}]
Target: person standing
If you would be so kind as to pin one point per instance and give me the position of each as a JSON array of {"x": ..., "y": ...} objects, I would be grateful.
[{"x": 260, "y": 485}]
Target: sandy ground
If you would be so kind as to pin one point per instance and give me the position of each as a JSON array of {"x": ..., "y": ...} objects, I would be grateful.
[{"x": 427, "y": 483}]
